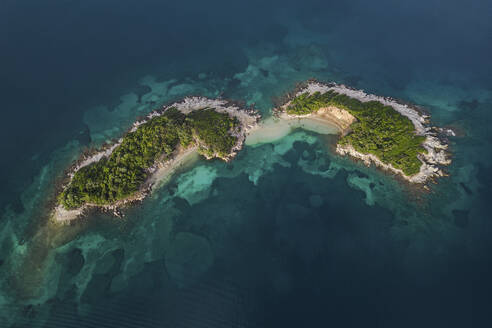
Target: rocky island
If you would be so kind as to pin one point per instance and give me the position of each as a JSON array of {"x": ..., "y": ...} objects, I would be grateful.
[
  {"x": 393, "y": 135},
  {"x": 383, "y": 131},
  {"x": 126, "y": 170}
]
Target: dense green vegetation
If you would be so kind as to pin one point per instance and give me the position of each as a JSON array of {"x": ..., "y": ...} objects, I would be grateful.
[
  {"x": 120, "y": 175},
  {"x": 212, "y": 132},
  {"x": 379, "y": 130}
]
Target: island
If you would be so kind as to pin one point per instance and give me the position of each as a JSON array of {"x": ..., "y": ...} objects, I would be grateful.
[
  {"x": 384, "y": 131},
  {"x": 125, "y": 171},
  {"x": 387, "y": 132}
]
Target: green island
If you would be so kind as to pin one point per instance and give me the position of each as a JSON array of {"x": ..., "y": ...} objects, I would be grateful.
[
  {"x": 121, "y": 174},
  {"x": 379, "y": 129}
]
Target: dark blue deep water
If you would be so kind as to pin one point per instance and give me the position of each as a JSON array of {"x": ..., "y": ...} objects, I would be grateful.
[{"x": 288, "y": 234}]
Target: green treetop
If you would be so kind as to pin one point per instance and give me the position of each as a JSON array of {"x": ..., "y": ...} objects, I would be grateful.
[
  {"x": 379, "y": 130},
  {"x": 124, "y": 171}
]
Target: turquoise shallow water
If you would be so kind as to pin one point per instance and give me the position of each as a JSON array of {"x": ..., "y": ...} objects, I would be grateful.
[{"x": 288, "y": 234}]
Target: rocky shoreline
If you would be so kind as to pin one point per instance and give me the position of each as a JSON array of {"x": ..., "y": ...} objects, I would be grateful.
[
  {"x": 436, "y": 139},
  {"x": 433, "y": 161},
  {"x": 162, "y": 169},
  {"x": 248, "y": 119}
]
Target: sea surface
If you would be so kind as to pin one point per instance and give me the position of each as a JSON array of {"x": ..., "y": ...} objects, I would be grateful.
[{"x": 288, "y": 234}]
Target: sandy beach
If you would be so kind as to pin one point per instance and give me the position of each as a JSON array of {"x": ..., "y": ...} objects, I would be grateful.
[
  {"x": 327, "y": 120},
  {"x": 162, "y": 172},
  {"x": 275, "y": 128},
  {"x": 163, "y": 169},
  {"x": 436, "y": 146}
]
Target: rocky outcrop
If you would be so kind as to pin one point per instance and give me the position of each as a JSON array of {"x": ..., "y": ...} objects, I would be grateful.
[{"x": 435, "y": 144}]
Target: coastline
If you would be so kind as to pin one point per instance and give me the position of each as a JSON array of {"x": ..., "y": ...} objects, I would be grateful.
[
  {"x": 435, "y": 144},
  {"x": 161, "y": 170},
  {"x": 277, "y": 127},
  {"x": 248, "y": 118},
  {"x": 426, "y": 171},
  {"x": 250, "y": 131}
]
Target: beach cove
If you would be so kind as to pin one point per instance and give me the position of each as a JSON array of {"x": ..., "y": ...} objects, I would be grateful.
[{"x": 321, "y": 119}]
